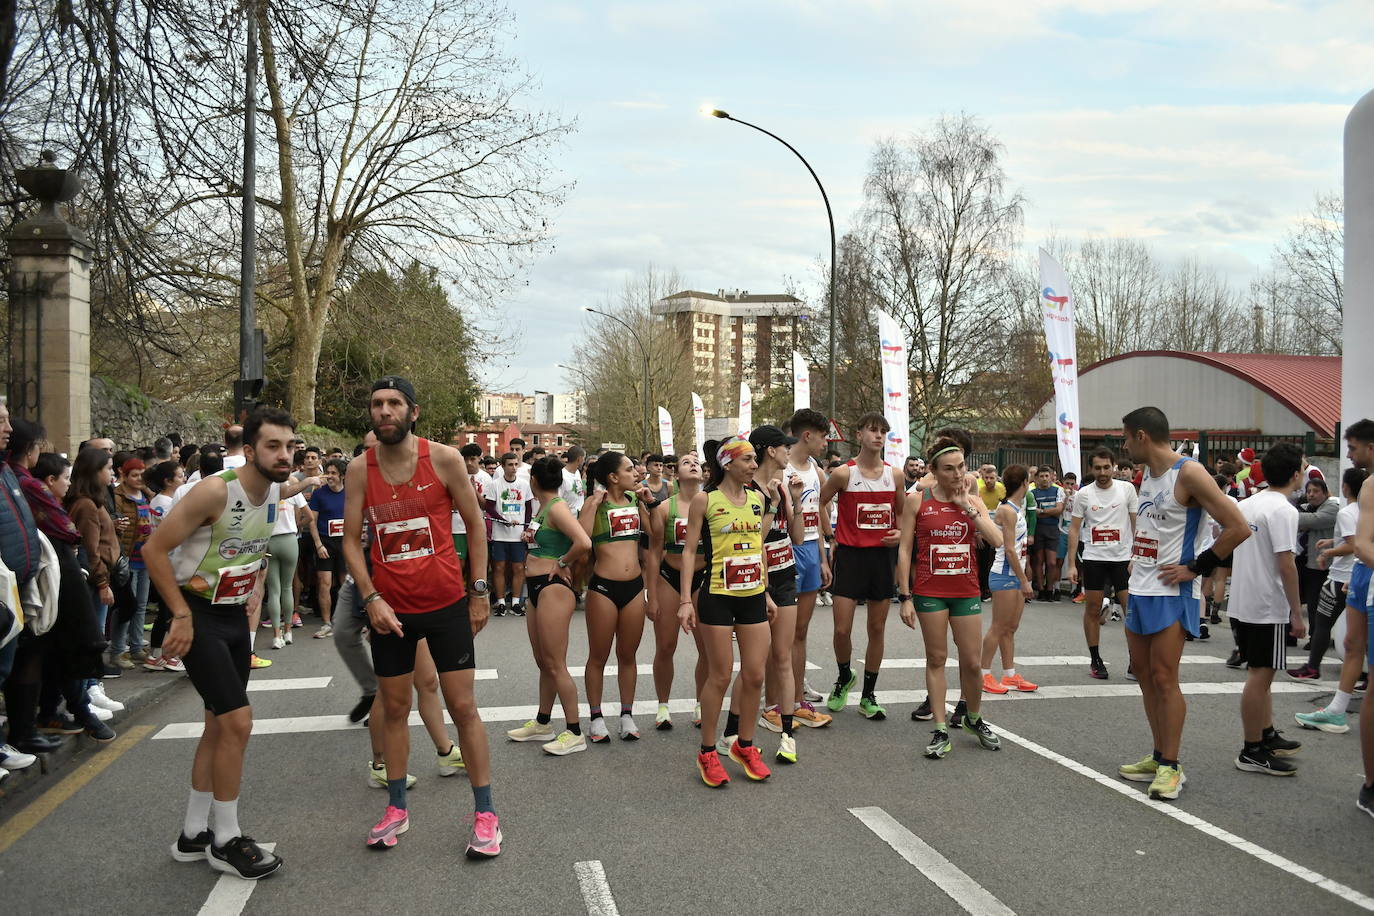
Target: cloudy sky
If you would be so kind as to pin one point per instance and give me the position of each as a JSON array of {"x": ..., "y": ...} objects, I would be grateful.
[{"x": 1206, "y": 127}]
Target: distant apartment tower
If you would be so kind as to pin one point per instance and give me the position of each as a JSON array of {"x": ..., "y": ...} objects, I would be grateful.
[
  {"x": 735, "y": 336},
  {"x": 493, "y": 406}
]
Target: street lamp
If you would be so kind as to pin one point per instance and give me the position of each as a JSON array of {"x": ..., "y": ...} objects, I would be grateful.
[
  {"x": 643, "y": 352},
  {"x": 830, "y": 217}
]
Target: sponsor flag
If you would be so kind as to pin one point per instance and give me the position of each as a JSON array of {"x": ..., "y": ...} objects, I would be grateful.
[
  {"x": 699, "y": 422},
  {"x": 896, "y": 407},
  {"x": 746, "y": 411},
  {"x": 801, "y": 382},
  {"x": 665, "y": 432},
  {"x": 1057, "y": 306}
]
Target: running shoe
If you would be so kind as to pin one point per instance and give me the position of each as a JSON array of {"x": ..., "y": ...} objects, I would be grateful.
[
  {"x": 325, "y": 631},
  {"x": 839, "y": 696},
  {"x": 1262, "y": 761},
  {"x": 1323, "y": 720},
  {"x": 110, "y": 672},
  {"x": 485, "y": 842},
  {"x": 394, "y": 822},
  {"x": 939, "y": 744},
  {"x": 296, "y": 620},
  {"x": 806, "y": 715},
  {"x": 696, "y": 716},
  {"x": 1130, "y": 674},
  {"x": 278, "y": 642},
  {"x": 1203, "y": 633},
  {"x": 1080, "y": 598},
  {"x": 629, "y": 731},
  {"x": 1280, "y": 746},
  {"x": 1098, "y": 669},
  {"x": 811, "y": 694},
  {"x": 960, "y": 714},
  {"x": 787, "y": 750},
  {"x": 245, "y": 858},
  {"x": 869, "y": 709},
  {"x": 724, "y": 743},
  {"x": 11, "y": 758},
  {"x": 499, "y": 610},
  {"x": 360, "y": 709},
  {"x": 711, "y": 769},
  {"x": 59, "y": 724},
  {"x": 1361, "y": 683},
  {"x": 97, "y": 697},
  {"x": 1365, "y": 800},
  {"x": 771, "y": 720},
  {"x": 1144, "y": 771},
  {"x": 517, "y": 609},
  {"x": 1304, "y": 673},
  {"x": 257, "y": 662},
  {"x": 662, "y": 720},
  {"x": 566, "y": 743},
  {"x": 104, "y": 715},
  {"x": 152, "y": 663},
  {"x": 287, "y": 636},
  {"x": 1168, "y": 782},
  {"x": 979, "y": 729},
  {"x": 923, "y": 712},
  {"x": 1017, "y": 682},
  {"x": 1105, "y": 613},
  {"x": 990, "y": 685},
  {"x": 1116, "y": 615},
  {"x": 176, "y": 666},
  {"x": 451, "y": 762},
  {"x": 752, "y": 761},
  {"x": 124, "y": 661},
  {"x": 376, "y": 776},
  {"x": 192, "y": 849},
  {"x": 1234, "y": 660},
  {"x": 599, "y": 731},
  {"x": 532, "y": 731}
]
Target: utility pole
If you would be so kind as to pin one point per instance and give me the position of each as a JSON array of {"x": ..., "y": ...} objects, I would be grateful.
[{"x": 251, "y": 370}]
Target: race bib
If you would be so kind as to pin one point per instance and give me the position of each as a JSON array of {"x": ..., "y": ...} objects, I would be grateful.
[
  {"x": 743, "y": 573},
  {"x": 534, "y": 528},
  {"x": 778, "y": 555},
  {"x": 404, "y": 540},
  {"x": 512, "y": 511},
  {"x": 235, "y": 583},
  {"x": 1106, "y": 536},
  {"x": 679, "y": 532},
  {"x": 950, "y": 559},
  {"x": 335, "y": 527},
  {"x": 811, "y": 521},
  {"x": 1145, "y": 550},
  {"x": 874, "y": 516},
  {"x": 624, "y": 521}
]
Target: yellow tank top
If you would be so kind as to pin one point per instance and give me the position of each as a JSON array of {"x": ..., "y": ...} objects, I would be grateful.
[{"x": 734, "y": 544}]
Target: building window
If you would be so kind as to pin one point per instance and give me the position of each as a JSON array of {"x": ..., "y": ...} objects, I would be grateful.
[{"x": 559, "y": 440}]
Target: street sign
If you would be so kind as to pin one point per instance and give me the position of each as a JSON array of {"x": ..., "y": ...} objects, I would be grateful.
[
  {"x": 613, "y": 446},
  {"x": 834, "y": 434}
]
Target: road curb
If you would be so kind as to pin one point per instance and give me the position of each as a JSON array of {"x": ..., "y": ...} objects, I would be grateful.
[{"x": 147, "y": 689}]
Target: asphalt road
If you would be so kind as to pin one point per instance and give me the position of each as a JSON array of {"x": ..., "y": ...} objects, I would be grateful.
[{"x": 1042, "y": 826}]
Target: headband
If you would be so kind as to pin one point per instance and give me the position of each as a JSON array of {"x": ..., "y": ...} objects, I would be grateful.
[
  {"x": 947, "y": 448},
  {"x": 731, "y": 449}
]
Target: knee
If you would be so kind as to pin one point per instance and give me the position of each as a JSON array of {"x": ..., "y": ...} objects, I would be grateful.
[
  {"x": 876, "y": 629},
  {"x": 718, "y": 680},
  {"x": 397, "y": 708},
  {"x": 969, "y": 661},
  {"x": 625, "y": 653},
  {"x": 427, "y": 684},
  {"x": 235, "y": 726},
  {"x": 465, "y": 710},
  {"x": 751, "y": 678},
  {"x": 936, "y": 658}
]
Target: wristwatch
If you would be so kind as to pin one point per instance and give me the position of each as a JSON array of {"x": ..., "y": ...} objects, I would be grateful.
[
  {"x": 903, "y": 598},
  {"x": 480, "y": 588},
  {"x": 562, "y": 563}
]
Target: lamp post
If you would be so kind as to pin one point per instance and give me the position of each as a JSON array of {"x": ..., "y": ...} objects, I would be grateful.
[
  {"x": 830, "y": 217},
  {"x": 643, "y": 352}
]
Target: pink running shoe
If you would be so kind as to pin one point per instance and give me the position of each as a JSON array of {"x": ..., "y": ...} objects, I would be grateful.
[
  {"x": 486, "y": 836},
  {"x": 394, "y": 822}
]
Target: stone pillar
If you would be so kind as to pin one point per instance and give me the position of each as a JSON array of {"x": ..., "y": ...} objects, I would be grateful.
[
  {"x": 50, "y": 312},
  {"x": 1357, "y": 369}
]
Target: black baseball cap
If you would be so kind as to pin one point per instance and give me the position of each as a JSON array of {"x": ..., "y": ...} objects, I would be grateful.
[
  {"x": 768, "y": 437},
  {"x": 398, "y": 383}
]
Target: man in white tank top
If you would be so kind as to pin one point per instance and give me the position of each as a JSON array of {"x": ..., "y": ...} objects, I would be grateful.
[{"x": 1167, "y": 560}]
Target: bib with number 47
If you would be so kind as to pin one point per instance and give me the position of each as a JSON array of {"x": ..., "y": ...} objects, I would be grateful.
[{"x": 950, "y": 559}]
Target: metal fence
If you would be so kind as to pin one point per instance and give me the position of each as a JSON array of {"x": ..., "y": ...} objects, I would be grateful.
[{"x": 1209, "y": 445}]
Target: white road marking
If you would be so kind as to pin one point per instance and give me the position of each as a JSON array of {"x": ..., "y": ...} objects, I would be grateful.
[
  {"x": 1039, "y": 661},
  {"x": 498, "y": 714},
  {"x": 596, "y": 892},
  {"x": 944, "y": 874},
  {"x": 287, "y": 683},
  {"x": 230, "y": 894},
  {"x": 613, "y": 670},
  {"x": 1134, "y": 793}
]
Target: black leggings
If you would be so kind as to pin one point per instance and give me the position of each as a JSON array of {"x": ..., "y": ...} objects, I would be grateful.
[
  {"x": 219, "y": 659},
  {"x": 620, "y": 591},
  {"x": 1329, "y": 606}
]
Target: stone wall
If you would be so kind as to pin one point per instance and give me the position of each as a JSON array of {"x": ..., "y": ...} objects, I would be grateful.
[{"x": 131, "y": 419}]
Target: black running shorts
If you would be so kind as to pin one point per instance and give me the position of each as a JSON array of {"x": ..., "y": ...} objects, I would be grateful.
[
  {"x": 1261, "y": 645},
  {"x": 220, "y": 656},
  {"x": 864, "y": 573},
  {"x": 1097, "y": 573},
  {"x": 448, "y": 630},
  {"x": 731, "y": 610}
]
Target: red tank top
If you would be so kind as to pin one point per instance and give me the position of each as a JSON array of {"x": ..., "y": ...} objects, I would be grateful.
[
  {"x": 414, "y": 564},
  {"x": 867, "y": 508},
  {"x": 943, "y": 559}
]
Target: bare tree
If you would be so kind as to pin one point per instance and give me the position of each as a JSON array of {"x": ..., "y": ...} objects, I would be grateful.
[{"x": 1312, "y": 263}]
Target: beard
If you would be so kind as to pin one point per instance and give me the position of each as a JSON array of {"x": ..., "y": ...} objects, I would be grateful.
[
  {"x": 395, "y": 436},
  {"x": 274, "y": 473}
]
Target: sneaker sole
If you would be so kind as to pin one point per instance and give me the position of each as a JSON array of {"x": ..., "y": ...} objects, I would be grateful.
[
  {"x": 1137, "y": 777},
  {"x": 1365, "y": 808},
  {"x": 1104, "y": 676},
  {"x": 1327, "y": 727},
  {"x": 475, "y": 853},
  {"x": 629, "y": 736},
  {"x": 997, "y": 693},
  {"x": 1256, "y": 768},
  {"x": 810, "y": 724},
  {"x": 546, "y": 738},
  {"x": 878, "y": 716},
  {"x": 563, "y": 752},
  {"x": 665, "y": 726},
  {"x": 452, "y": 770},
  {"x": 389, "y": 840},
  {"x": 600, "y": 739},
  {"x": 937, "y": 755},
  {"x": 222, "y": 866},
  {"x": 1285, "y": 751},
  {"x": 745, "y": 768},
  {"x": 917, "y": 717},
  {"x": 180, "y": 856},
  {"x": 1027, "y": 689},
  {"x": 713, "y": 785},
  {"x": 1165, "y": 796},
  {"x": 775, "y": 729},
  {"x": 788, "y": 761},
  {"x": 1294, "y": 677}
]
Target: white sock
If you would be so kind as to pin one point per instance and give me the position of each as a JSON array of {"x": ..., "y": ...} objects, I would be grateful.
[
  {"x": 155, "y": 653},
  {"x": 1339, "y": 703},
  {"x": 226, "y": 820},
  {"x": 1008, "y": 672},
  {"x": 197, "y": 813},
  {"x": 987, "y": 672}
]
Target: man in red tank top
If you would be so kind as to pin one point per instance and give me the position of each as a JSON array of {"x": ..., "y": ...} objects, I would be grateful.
[{"x": 412, "y": 588}]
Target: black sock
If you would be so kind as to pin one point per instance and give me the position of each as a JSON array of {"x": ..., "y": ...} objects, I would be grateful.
[
  {"x": 1268, "y": 733},
  {"x": 732, "y": 724},
  {"x": 1159, "y": 758},
  {"x": 626, "y": 710},
  {"x": 870, "y": 682},
  {"x": 596, "y": 712},
  {"x": 1254, "y": 747},
  {"x": 543, "y": 718},
  {"x": 1168, "y": 763},
  {"x": 845, "y": 673},
  {"x": 787, "y": 724},
  {"x": 740, "y": 742},
  {"x": 707, "y": 748},
  {"x": 1092, "y": 650},
  {"x": 575, "y": 728}
]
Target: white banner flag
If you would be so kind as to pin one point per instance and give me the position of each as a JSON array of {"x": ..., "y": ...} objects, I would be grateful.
[
  {"x": 801, "y": 382},
  {"x": 746, "y": 411},
  {"x": 665, "y": 431},
  {"x": 1056, "y": 302},
  {"x": 698, "y": 421},
  {"x": 896, "y": 407}
]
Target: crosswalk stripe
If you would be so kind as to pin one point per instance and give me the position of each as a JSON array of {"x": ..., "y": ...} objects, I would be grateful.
[
  {"x": 1038, "y": 661},
  {"x": 612, "y": 670},
  {"x": 288, "y": 683}
]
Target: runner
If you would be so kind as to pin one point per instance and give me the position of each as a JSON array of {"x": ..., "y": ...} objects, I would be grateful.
[
  {"x": 659, "y": 489},
  {"x": 472, "y": 462},
  {"x": 730, "y": 517},
  {"x": 667, "y": 534},
  {"x": 557, "y": 542},
  {"x": 1267, "y": 606},
  {"x": 992, "y": 491},
  {"x": 869, "y": 509},
  {"x": 616, "y": 605},
  {"x": 220, "y": 531},
  {"x": 405, "y": 488},
  {"x": 327, "y": 502},
  {"x": 938, "y": 527},
  {"x": 1049, "y": 505},
  {"x": 809, "y": 427},
  {"x": 510, "y": 506},
  {"x": 1011, "y": 585},
  {"x": 1175, "y": 492},
  {"x": 1107, "y": 509},
  {"x": 1339, "y": 553},
  {"x": 1359, "y": 441}
]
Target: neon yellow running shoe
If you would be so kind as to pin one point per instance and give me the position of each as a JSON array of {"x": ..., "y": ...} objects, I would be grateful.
[
  {"x": 787, "y": 750},
  {"x": 376, "y": 776},
  {"x": 532, "y": 731},
  {"x": 451, "y": 762},
  {"x": 1144, "y": 771},
  {"x": 1168, "y": 781}
]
